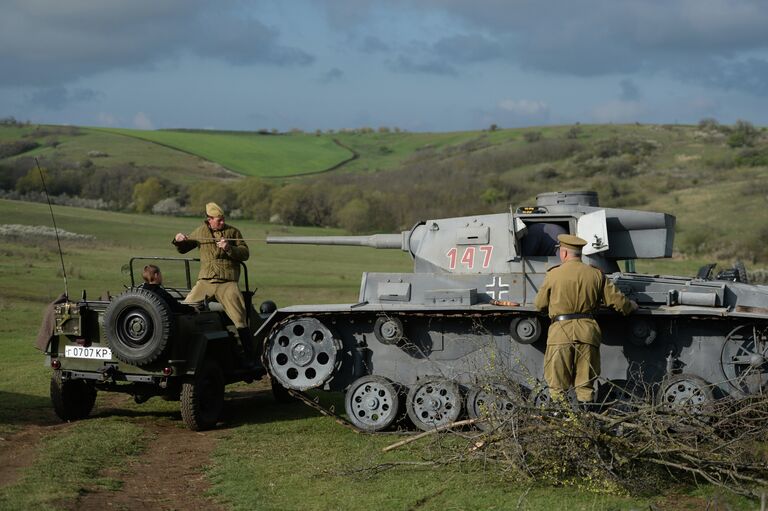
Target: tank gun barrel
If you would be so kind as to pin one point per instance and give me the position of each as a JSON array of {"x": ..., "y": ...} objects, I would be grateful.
[{"x": 374, "y": 240}]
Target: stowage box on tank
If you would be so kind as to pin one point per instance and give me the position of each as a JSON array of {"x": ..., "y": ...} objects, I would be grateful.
[{"x": 464, "y": 317}]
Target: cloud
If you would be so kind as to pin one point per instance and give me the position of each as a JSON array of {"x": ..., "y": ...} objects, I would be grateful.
[
  {"x": 468, "y": 48},
  {"x": 372, "y": 44},
  {"x": 629, "y": 90},
  {"x": 748, "y": 75},
  {"x": 524, "y": 107},
  {"x": 47, "y": 43},
  {"x": 716, "y": 43},
  {"x": 142, "y": 121},
  {"x": 617, "y": 112},
  {"x": 107, "y": 119},
  {"x": 56, "y": 98},
  {"x": 518, "y": 113},
  {"x": 406, "y": 64},
  {"x": 332, "y": 75}
]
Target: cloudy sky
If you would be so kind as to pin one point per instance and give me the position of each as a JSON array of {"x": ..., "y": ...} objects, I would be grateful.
[{"x": 420, "y": 65}]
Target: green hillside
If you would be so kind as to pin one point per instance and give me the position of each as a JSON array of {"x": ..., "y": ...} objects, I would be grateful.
[
  {"x": 711, "y": 176},
  {"x": 251, "y": 154}
]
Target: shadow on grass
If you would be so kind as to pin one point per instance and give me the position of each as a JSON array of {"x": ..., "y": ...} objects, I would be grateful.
[
  {"x": 241, "y": 407},
  {"x": 26, "y": 409},
  {"x": 259, "y": 407}
]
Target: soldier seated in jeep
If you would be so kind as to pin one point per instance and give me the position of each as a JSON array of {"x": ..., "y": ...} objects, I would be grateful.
[{"x": 153, "y": 281}]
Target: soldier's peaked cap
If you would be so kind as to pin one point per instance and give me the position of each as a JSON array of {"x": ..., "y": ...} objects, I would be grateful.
[
  {"x": 213, "y": 210},
  {"x": 571, "y": 241}
]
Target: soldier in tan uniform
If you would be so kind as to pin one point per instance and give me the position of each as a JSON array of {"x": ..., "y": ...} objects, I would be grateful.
[
  {"x": 570, "y": 294},
  {"x": 222, "y": 249}
]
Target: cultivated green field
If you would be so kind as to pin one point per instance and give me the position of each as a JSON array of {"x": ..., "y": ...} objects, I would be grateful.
[
  {"x": 268, "y": 456},
  {"x": 251, "y": 154}
]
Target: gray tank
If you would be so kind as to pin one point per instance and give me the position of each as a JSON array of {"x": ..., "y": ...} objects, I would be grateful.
[{"x": 461, "y": 330}]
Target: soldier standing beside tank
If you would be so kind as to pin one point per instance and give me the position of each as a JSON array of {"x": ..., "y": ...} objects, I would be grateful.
[
  {"x": 222, "y": 249},
  {"x": 571, "y": 293}
]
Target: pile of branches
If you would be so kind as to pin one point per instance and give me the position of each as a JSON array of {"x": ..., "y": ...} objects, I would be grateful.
[{"x": 627, "y": 446}]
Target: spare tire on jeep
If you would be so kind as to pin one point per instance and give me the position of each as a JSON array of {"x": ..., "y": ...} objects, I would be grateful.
[{"x": 138, "y": 325}]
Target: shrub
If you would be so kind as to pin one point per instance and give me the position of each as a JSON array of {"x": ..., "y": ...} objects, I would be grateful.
[
  {"x": 532, "y": 136},
  {"x": 752, "y": 157},
  {"x": 743, "y": 134},
  {"x": 709, "y": 124},
  {"x": 15, "y": 147},
  {"x": 168, "y": 206}
]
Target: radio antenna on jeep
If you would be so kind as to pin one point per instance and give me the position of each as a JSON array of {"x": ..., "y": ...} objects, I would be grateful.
[{"x": 55, "y": 229}]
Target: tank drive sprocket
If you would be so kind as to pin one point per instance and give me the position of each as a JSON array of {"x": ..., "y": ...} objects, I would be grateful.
[
  {"x": 434, "y": 403},
  {"x": 372, "y": 403},
  {"x": 303, "y": 353}
]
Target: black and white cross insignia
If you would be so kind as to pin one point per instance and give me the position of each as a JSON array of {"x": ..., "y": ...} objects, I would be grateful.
[{"x": 496, "y": 289}]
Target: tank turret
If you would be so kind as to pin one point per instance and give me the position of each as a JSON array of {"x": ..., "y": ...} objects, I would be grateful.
[{"x": 495, "y": 243}]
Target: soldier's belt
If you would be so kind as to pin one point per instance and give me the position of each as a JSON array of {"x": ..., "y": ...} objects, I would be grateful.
[{"x": 566, "y": 317}]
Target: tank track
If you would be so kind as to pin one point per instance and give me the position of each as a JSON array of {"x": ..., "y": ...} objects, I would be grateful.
[{"x": 425, "y": 365}]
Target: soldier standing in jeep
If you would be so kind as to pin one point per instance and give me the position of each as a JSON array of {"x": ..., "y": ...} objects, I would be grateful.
[{"x": 222, "y": 249}]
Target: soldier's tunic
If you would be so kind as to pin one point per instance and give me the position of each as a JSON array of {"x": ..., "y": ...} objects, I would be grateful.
[
  {"x": 572, "y": 357},
  {"x": 219, "y": 269}
]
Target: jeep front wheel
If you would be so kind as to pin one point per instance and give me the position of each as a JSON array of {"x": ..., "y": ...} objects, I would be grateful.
[
  {"x": 202, "y": 397},
  {"x": 72, "y": 399}
]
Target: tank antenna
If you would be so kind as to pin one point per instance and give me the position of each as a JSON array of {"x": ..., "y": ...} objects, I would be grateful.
[{"x": 55, "y": 229}]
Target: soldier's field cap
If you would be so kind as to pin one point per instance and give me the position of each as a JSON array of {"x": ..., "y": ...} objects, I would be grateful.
[
  {"x": 571, "y": 241},
  {"x": 213, "y": 210}
]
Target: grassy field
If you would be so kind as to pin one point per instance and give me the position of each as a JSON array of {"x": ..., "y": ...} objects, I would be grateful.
[
  {"x": 251, "y": 154},
  {"x": 268, "y": 456}
]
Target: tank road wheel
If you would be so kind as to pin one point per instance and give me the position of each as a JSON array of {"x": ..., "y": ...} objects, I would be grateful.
[
  {"x": 372, "y": 403},
  {"x": 388, "y": 330},
  {"x": 493, "y": 405},
  {"x": 202, "y": 397},
  {"x": 526, "y": 329},
  {"x": 744, "y": 359},
  {"x": 686, "y": 393},
  {"x": 72, "y": 399},
  {"x": 302, "y": 354},
  {"x": 434, "y": 404},
  {"x": 138, "y": 325}
]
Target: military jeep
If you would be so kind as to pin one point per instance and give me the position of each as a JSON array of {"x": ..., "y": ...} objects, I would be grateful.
[{"x": 135, "y": 343}]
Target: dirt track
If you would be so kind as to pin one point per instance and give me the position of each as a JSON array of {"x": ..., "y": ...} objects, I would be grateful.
[{"x": 168, "y": 475}]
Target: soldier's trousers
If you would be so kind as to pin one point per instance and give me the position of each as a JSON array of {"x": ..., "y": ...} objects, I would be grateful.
[
  {"x": 226, "y": 293},
  {"x": 574, "y": 364}
]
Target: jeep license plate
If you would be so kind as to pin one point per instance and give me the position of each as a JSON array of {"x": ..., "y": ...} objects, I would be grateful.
[{"x": 88, "y": 352}]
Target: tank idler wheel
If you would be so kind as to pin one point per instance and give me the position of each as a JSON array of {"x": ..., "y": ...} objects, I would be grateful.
[
  {"x": 744, "y": 359},
  {"x": 434, "y": 403},
  {"x": 686, "y": 393},
  {"x": 372, "y": 403},
  {"x": 302, "y": 354},
  {"x": 493, "y": 405},
  {"x": 388, "y": 330},
  {"x": 525, "y": 329}
]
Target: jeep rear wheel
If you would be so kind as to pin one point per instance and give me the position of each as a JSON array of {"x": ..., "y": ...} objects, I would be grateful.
[
  {"x": 138, "y": 325},
  {"x": 202, "y": 397},
  {"x": 72, "y": 399}
]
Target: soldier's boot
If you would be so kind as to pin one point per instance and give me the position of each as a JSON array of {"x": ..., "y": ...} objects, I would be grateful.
[{"x": 246, "y": 340}]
